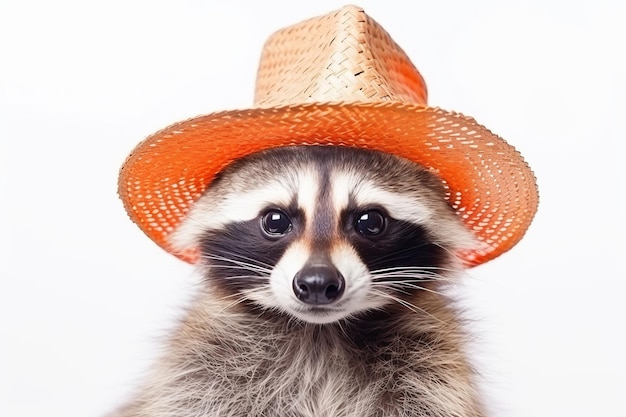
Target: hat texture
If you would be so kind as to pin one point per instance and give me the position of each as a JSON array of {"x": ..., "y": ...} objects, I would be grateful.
[{"x": 338, "y": 79}]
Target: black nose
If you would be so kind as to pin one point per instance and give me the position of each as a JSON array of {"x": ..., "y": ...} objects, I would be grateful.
[{"x": 318, "y": 284}]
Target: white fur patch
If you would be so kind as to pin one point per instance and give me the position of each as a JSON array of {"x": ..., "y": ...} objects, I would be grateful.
[
  {"x": 346, "y": 184},
  {"x": 213, "y": 211},
  {"x": 308, "y": 189},
  {"x": 357, "y": 296},
  {"x": 410, "y": 208},
  {"x": 282, "y": 276}
]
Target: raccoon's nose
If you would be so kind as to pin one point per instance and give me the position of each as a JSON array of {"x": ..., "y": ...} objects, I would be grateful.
[{"x": 318, "y": 284}]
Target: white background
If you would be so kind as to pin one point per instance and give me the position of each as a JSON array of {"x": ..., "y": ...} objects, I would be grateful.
[{"x": 84, "y": 295}]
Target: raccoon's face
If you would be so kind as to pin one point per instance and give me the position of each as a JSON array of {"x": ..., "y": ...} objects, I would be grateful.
[{"x": 324, "y": 233}]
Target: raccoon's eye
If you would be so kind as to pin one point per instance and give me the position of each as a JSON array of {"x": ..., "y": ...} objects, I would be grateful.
[
  {"x": 370, "y": 223},
  {"x": 275, "y": 223}
]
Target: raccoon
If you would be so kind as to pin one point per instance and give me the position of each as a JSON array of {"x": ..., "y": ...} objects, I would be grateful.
[{"x": 325, "y": 272}]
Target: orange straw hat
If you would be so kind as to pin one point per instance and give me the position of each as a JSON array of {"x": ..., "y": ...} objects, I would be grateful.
[{"x": 337, "y": 79}]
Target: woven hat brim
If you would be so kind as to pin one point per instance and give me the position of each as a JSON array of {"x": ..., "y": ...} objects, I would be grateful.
[{"x": 488, "y": 182}]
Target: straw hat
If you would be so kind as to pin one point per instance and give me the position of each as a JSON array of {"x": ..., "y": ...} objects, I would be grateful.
[{"x": 337, "y": 79}]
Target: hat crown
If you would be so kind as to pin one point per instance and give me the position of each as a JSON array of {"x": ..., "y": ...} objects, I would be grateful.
[{"x": 344, "y": 57}]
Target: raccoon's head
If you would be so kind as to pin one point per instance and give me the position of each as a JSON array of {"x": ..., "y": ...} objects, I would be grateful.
[{"x": 324, "y": 233}]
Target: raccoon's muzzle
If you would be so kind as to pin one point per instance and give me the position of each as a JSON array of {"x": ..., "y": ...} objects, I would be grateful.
[{"x": 319, "y": 282}]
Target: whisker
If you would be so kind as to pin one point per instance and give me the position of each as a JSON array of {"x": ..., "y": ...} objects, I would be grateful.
[
  {"x": 413, "y": 268},
  {"x": 415, "y": 275},
  {"x": 256, "y": 272},
  {"x": 245, "y": 260},
  {"x": 233, "y": 263},
  {"x": 412, "y": 307},
  {"x": 399, "y": 254},
  {"x": 405, "y": 279},
  {"x": 402, "y": 286},
  {"x": 412, "y": 276},
  {"x": 240, "y": 297}
]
